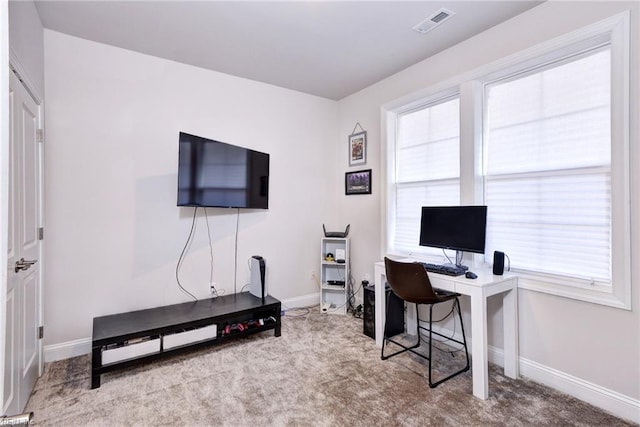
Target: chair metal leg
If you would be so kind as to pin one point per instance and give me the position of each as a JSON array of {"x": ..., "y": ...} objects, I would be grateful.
[
  {"x": 464, "y": 338},
  {"x": 418, "y": 325},
  {"x": 429, "y": 356},
  {"x": 404, "y": 347},
  {"x": 384, "y": 327},
  {"x": 464, "y": 342}
]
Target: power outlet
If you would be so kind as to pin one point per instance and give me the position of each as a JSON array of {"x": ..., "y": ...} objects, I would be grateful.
[{"x": 212, "y": 288}]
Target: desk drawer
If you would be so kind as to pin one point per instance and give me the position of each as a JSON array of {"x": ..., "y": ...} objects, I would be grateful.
[{"x": 444, "y": 284}]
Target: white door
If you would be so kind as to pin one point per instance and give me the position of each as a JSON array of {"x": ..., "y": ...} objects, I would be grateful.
[{"x": 23, "y": 350}]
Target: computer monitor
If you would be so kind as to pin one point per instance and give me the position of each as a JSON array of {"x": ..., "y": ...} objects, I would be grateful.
[{"x": 459, "y": 228}]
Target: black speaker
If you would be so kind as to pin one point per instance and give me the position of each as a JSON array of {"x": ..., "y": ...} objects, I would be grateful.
[
  {"x": 369, "y": 312},
  {"x": 498, "y": 263},
  {"x": 395, "y": 314}
]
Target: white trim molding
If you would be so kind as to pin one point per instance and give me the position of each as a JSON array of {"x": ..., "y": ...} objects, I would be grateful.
[
  {"x": 67, "y": 350},
  {"x": 308, "y": 300},
  {"x": 608, "y": 400},
  {"x": 15, "y": 64}
]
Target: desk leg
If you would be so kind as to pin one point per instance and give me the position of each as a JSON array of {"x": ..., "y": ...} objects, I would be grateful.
[
  {"x": 411, "y": 319},
  {"x": 510, "y": 322},
  {"x": 479, "y": 352}
]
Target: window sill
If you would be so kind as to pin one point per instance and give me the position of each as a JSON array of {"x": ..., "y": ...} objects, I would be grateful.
[{"x": 574, "y": 288}]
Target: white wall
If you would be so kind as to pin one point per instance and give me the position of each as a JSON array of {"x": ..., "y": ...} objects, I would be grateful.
[
  {"x": 596, "y": 344},
  {"x": 114, "y": 233}
]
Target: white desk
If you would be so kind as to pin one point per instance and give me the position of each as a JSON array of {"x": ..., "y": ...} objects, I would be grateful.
[{"x": 478, "y": 290}]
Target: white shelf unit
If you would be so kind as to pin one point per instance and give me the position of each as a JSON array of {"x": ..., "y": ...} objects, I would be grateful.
[{"x": 331, "y": 271}]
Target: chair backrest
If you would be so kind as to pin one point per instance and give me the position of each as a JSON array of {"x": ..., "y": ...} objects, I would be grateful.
[{"x": 409, "y": 281}]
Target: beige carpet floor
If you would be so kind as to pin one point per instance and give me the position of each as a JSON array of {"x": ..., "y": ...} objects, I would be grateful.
[{"x": 322, "y": 371}]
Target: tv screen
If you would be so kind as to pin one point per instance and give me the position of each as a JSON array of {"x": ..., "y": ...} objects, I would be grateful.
[
  {"x": 460, "y": 228},
  {"x": 216, "y": 174}
]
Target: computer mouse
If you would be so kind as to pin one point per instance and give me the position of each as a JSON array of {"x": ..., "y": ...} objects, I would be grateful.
[{"x": 470, "y": 275}]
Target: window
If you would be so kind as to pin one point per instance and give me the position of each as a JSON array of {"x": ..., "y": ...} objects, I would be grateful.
[
  {"x": 543, "y": 140},
  {"x": 547, "y": 147},
  {"x": 427, "y": 168}
]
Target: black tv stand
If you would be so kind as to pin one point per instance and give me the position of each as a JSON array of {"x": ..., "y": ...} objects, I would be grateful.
[{"x": 137, "y": 337}]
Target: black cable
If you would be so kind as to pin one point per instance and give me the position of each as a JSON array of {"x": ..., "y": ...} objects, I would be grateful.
[
  {"x": 355, "y": 312},
  {"x": 235, "y": 258},
  {"x": 300, "y": 312},
  {"x": 351, "y": 296},
  {"x": 451, "y": 349},
  {"x": 193, "y": 226},
  {"x": 446, "y": 315},
  {"x": 206, "y": 218},
  {"x": 348, "y": 283},
  {"x": 350, "y": 299},
  {"x": 337, "y": 307}
]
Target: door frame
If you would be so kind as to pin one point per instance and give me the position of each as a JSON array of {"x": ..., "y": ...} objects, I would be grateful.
[
  {"x": 4, "y": 176},
  {"x": 11, "y": 64}
]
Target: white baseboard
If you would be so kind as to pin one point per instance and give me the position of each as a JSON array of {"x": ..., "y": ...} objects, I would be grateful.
[
  {"x": 67, "y": 349},
  {"x": 302, "y": 301},
  {"x": 608, "y": 400}
]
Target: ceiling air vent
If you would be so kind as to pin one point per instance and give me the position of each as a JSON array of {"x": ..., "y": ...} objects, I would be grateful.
[{"x": 433, "y": 21}]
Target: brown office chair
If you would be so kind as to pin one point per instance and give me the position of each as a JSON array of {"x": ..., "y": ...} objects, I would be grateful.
[{"x": 410, "y": 282}]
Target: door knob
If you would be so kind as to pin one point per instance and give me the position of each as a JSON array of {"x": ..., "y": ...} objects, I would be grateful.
[{"x": 24, "y": 265}]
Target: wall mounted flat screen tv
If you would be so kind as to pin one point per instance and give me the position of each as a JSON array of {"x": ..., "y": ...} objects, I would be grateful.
[
  {"x": 460, "y": 228},
  {"x": 216, "y": 174}
]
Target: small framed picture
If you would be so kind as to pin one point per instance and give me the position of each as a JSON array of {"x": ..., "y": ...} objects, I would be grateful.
[
  {"x": 358, "y": 148},
  {"x": 358, "y": 182}
]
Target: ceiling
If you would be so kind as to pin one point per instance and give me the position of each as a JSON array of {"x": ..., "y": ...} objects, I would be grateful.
[{"x": 325, "y": 48}]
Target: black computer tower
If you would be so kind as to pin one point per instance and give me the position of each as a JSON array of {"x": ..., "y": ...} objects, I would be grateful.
[{"x": 395, "y": 313}]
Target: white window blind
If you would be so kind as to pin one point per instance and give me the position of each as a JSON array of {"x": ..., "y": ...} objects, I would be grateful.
[
  {"x": 427, "y": 169},
  {"x": 547, "y": 151}
]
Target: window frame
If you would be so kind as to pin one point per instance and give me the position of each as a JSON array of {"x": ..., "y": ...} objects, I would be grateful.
[
  {"x": 614, "y": 31},
  {"x": 431, "y": 101}
]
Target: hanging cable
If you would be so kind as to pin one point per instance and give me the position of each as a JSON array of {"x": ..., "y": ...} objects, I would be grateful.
[
  {"x": 181, "y": 258},
  {"x": 446, "y": 256},
  {"x": 213, "y": 288},
  {"x": 235, "y": 258}
]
